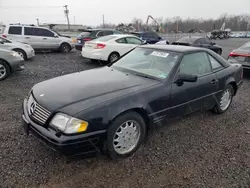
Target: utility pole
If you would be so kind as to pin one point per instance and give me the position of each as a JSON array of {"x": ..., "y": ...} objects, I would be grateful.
[
  {"x": 66, "y": 11},
  {"x": 103, "y": 23},
  {"x": 37, "y": 20},
  {"x": 74, "y": 20}
]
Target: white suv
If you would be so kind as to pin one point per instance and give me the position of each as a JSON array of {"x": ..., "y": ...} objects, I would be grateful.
[{"x": 39, "y": 38}]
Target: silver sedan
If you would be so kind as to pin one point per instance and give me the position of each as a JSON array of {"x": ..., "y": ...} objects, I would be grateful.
[
  {"x": 10, "y": 61},
  {"x": 24, "y": 50}
]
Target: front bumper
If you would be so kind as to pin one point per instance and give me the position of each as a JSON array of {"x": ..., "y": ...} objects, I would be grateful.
[
  {"x": 17, "y": 64},
  {"x": 66, "y": 144}
]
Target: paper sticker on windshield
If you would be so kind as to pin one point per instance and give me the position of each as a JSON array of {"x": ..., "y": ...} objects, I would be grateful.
[{"x": 160, "y": 54}]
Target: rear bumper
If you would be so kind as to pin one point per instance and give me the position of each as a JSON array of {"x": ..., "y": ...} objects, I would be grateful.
[
  {"x": 66, "y": 144},
  {"x": 78, "y": 47},
  {"x": 95, "y": 54}
]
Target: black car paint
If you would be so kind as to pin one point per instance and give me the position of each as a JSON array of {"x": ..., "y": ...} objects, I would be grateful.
[
  {"x": 212, "y": 46},
  {"x": 99, "y": 100},
  {"x": 149, "y": 37}
]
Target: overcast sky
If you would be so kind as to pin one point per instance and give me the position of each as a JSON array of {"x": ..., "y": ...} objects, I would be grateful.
[{"x": 89, "y": 12}]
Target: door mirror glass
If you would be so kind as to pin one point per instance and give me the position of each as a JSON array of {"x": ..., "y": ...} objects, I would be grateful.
[{"x": 183, "y": 77}]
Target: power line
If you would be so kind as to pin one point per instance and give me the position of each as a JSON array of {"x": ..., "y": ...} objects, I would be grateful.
[{"x": 25, "y": 7}]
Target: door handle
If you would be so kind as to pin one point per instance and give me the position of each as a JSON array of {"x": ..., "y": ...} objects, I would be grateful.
[
  {"x": 27, "y": 37},
  {"x": 44, "y": 38},
  {"x": 214, "y": 81}
]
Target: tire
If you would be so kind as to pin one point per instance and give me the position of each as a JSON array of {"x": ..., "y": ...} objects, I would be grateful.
[
  {"x": 219, "y": 51},
  {"x": 21, "y": 53},
  {"x": 113, "y": 57},
  {"x": 126, "y": 135},
  {"x": 65, "y": 48},
  {"x": 4, "y": 70},
  {"x": 219, "y": 109}
]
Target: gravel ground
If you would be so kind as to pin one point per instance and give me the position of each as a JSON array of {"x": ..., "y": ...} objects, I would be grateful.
[{"x": 200, "y": 150}]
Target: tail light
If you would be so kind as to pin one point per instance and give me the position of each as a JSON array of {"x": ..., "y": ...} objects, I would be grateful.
[
  {"x": 87, "y": 39},
  {"x": 4, "y": 36},
  {"x": 100, "y": 46}
]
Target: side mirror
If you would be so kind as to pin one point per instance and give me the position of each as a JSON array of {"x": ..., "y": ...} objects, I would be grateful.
[
  {"x": 186, "y": 78},
  {"x": 56, "y": 36},
  {"x": 144, "y": 42}
]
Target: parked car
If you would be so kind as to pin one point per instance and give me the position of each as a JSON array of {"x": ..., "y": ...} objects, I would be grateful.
[
  {"x": 248, "y": 35},
  {"x": 198, "y": 41},
  {"x": 110, "y": 48},
  {"x": 149, "y": 36},
  {"x": 24, "y": 50},
  {"x": 241, "y": 55},
  {"x": 90, "y": 34},
  {"x": 39, "y": 38},
  {"x": 113, "y": 107},
  {"x": 240, "y": 35},
  {"x": 10, "y": 61}
]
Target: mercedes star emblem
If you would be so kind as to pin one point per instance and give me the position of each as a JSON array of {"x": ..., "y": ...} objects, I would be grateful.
[{"x": 32, "y": 107}]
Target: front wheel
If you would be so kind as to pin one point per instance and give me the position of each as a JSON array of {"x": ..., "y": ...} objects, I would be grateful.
[
  {"x": 65, "y": 48},
  {"x": 4, "y": 70},
  {"x": 125, "y": 135},
  {"x": 225, "y": 100}
]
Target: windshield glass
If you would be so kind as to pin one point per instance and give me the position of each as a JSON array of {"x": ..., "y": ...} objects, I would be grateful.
[
  {"x": 85, "y": 34},
  {"x": 151, "y": 62}
]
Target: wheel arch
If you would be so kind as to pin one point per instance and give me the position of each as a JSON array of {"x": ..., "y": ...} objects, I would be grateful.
[
  {"x": 140, "y": 110},
  {"x": 232, "y": 82},
  {"x": 14, "y": 49},
  {"x": 6, "y": 63}
]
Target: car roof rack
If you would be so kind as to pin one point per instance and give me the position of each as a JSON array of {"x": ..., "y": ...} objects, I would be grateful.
[{"x": 22, "y": 24}]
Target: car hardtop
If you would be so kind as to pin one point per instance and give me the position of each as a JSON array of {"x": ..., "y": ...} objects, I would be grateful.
[{"x": 186, "y": 50}]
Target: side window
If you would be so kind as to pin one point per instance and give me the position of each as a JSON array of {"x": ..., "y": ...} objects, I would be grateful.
[
  {"x": 196, "y": 64},
  {"x": 107, "y": 33},
  {"x": 15, "y": 30},
  {"x": 29, "y": 31},
  {"x": 198, "y": 41},
  {"x": 117, "y": 32},
  {"x": 202, "y": 41},
  {"x": 100, "y": 34},
  {"x": 207, "y": 41},
  {"x": 122, "y": 40},
  {"x": 149, "y": 35},
  {"x": 43, "y": 32},
  {"x": 215, "y": 64},
  {"x": 132, "y": 40}
]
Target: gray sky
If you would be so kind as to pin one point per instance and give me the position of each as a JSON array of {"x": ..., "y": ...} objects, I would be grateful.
[{"x": 89, "y": 12}]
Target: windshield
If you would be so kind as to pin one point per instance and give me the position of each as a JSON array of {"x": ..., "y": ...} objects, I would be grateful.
[
  {"x": 85, "y": 34},
  {"x": 151, "y": 62}
]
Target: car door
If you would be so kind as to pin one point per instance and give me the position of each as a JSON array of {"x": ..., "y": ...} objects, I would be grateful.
[
  {"x": 49, "y": 39},
  {"x": 32, "y": 38},
  {"x": 193, "y": 96},
  {"x": 15, "y": 33}
]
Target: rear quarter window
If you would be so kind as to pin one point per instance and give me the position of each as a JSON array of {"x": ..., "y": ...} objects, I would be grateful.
[{"x": 14, "y": 30}]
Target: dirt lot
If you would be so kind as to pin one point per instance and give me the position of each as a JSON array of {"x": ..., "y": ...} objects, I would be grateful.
[{"x": 200, "y": 150}]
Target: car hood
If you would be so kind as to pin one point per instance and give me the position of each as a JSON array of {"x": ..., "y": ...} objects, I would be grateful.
[{"x": 100, "y": 84}]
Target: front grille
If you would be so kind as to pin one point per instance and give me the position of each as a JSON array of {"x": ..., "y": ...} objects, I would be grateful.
[{"x": 36, "y": 111}]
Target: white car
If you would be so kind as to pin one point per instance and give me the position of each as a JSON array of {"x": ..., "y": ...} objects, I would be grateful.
[
  {"x": 39, "y": 38},
  {"x": 24, "y": 50},
  {"x": 110, "y": 48}
]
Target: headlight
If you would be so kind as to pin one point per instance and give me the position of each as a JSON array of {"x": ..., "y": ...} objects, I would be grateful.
[
  {"x": 69, "y": 124},
  {"x": 15, "y": 54}
]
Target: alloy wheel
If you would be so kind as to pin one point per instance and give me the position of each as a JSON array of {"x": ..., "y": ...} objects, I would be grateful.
[{"x": 127, "y": 137}]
